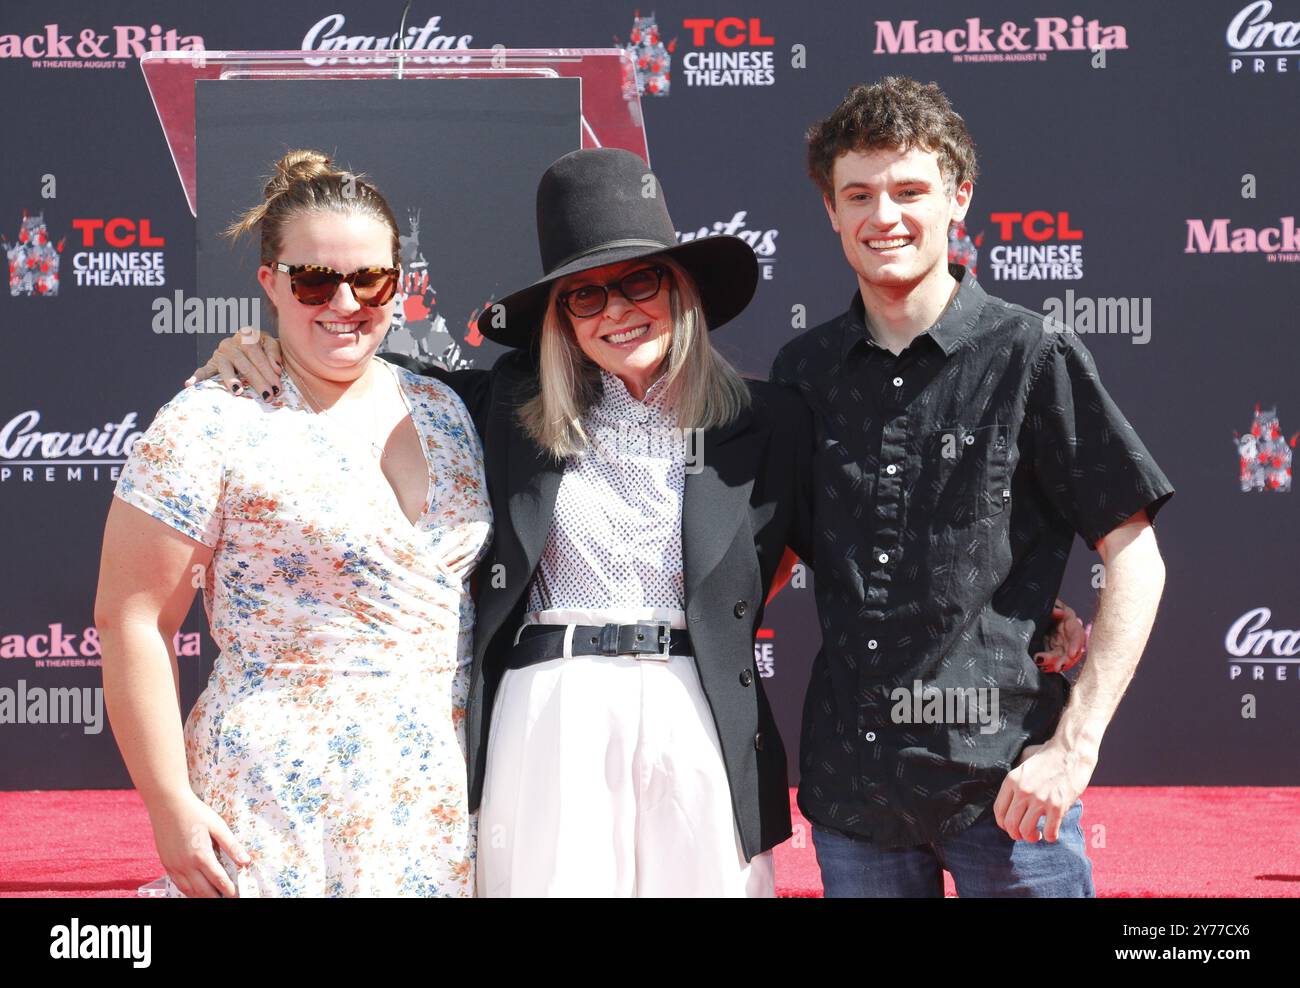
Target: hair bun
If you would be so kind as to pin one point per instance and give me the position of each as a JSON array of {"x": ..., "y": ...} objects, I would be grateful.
[
  {"x": 307, "y": 181},
  {"x": 301, "y": 165}
]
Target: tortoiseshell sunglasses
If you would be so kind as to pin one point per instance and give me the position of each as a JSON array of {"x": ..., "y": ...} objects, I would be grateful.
[{"x": 315, "y": 284}]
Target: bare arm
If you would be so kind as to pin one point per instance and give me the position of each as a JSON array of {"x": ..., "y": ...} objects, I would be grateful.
[
  {"x": 146, "y": 586},
  {"x": 1135, "y": 580},
  {"x": 1050, "y": 777}
]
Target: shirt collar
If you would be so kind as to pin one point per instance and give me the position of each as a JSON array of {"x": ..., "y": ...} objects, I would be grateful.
[
  {"x": 954, "y": 323},
  {"x": 617, "y": 402}
]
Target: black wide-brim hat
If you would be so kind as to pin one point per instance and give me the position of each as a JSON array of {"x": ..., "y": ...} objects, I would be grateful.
[{"x": 602, "y": 206}]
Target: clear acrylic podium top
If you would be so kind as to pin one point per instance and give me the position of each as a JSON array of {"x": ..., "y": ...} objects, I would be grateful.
[{"x": 611, "y": 108}]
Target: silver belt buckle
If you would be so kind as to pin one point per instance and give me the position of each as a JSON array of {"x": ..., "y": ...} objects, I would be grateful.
[{"x": 664, "y": 641}]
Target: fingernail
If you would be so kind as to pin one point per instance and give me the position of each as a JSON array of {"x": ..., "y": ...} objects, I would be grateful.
[
  {"x": 275, "y": 389},
  {"x": 234, "y": 389},
  {"x": 266, "y": 395}
]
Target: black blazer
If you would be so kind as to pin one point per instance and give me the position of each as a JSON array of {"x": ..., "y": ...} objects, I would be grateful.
[{"x": 738, "y": 515}]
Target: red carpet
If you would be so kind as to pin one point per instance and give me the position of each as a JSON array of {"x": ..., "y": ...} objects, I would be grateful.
[{"x": 1179, "y": 842}]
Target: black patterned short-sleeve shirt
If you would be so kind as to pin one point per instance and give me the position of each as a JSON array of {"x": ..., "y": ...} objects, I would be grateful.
[{"x": 948, "y": 484}]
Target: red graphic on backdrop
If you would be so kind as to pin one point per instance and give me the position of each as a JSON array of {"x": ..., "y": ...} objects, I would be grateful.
[
  {"x": 414, "y": 308},
  {"x": 962, "y": 249},
  {"x": 418, "y": 330},
  {"x": 472, "y": 336},
  {"x": 652, "y": 58},
  {"x": 33, "y": 260},
  {"x": 1264, "y": 454}
]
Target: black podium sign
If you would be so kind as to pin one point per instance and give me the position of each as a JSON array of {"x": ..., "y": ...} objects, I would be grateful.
[{"x": 458, "y": 161}]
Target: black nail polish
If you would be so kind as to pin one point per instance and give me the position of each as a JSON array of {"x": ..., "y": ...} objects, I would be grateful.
[
  {"x": 234, "y": 389},
  {"x": 275, "y": 389},
  {"x": 266, "y": 395}
]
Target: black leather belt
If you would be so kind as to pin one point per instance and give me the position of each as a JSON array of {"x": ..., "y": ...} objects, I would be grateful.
[{"x": 542, "y": 642}]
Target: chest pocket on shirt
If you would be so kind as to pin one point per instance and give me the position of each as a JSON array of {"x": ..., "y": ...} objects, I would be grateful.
[{"x": 964, "y": 474}]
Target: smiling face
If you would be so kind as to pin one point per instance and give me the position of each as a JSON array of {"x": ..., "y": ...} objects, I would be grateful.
[
  {"x": 333, "y": 341},
  {"x": 627, "y": 339},
  {"x": 892, "y": 212}
]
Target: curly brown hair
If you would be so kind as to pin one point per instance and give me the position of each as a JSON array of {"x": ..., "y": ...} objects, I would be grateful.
[{"x": 896, "y": 113}]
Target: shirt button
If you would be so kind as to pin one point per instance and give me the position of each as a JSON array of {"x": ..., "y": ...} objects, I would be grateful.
[
  {"x": 870, "y": 735},
  {"x": 969, "y": 440},
  {"x": 746, "y": 678},
  {"x": 740, "y": 608},
  {"x": 891, "y": 469},
  {"x": 883, "y": 557},
  {"x": 758, "y": 741},
  {"x": 898, "y": 382},
  {"x": 872, "y": 644}
]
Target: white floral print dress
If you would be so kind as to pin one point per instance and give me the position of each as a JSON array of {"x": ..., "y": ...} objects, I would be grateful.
[{"x": 330, "y": 736}]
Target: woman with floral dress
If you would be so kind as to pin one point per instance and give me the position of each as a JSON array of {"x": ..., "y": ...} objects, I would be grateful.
[{"x": 333, "y": 524}]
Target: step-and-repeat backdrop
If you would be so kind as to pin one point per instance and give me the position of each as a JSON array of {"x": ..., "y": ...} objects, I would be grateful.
[{"x": 1138, "y": 175}]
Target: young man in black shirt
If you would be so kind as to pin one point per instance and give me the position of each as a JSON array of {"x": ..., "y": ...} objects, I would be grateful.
[{"x": 961, "y": 446}]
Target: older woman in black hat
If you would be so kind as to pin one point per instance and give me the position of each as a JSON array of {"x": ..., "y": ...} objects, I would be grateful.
[
  {"x": 619, "y": 739},
  {"x": 651, "y": 493}
]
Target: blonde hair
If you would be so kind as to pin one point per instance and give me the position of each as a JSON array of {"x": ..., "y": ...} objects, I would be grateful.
[
  {"x": 305, "y": 181},
  {"x": 702, "y": 388}
]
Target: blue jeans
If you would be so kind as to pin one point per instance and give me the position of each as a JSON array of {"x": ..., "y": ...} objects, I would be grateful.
[{"x": 983, "y": 860}]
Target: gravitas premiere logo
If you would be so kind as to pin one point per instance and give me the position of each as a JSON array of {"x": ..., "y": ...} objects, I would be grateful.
[
  {"x": 31, "y": 455},
  {"x": 327, "y": 35},
  {"x": 90, "y": 50},
  {"x": 763, "y": 241},
  {"x": 1008, "y": 42},
  {"x": 1254, "y": 648},
  {"x": 1279, "y": 243},
  {"x": 1258, "y": 44}
]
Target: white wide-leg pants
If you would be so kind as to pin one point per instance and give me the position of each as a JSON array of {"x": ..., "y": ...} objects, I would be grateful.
[{"x": 604, "y": 777}]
